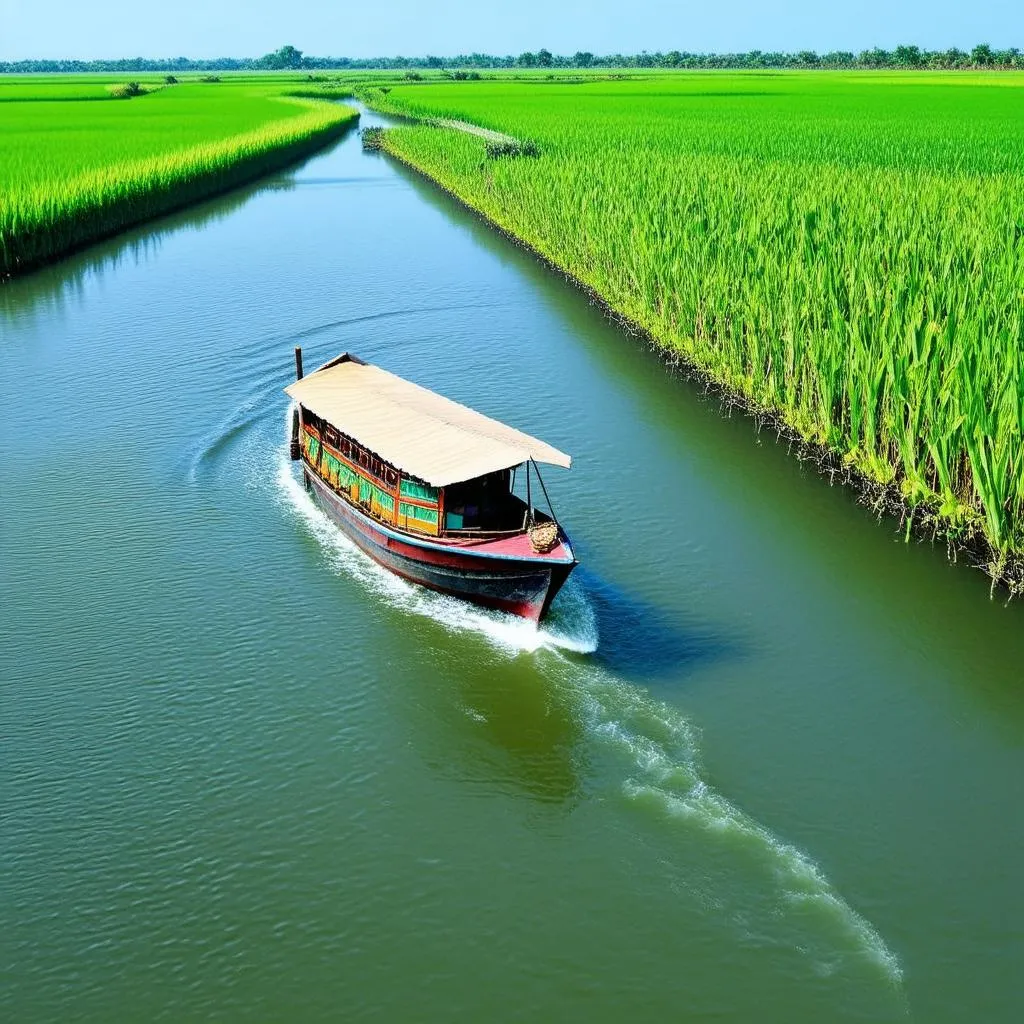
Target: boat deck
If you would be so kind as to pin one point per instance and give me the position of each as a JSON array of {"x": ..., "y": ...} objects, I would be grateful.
[{"x": 518, "y": 546}]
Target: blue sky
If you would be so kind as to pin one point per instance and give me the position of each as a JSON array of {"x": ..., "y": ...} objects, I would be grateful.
[{"x": 237, "y": 28}]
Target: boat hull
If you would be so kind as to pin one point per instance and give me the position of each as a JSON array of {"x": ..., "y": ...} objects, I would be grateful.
[{"x": 524, "y": 587}]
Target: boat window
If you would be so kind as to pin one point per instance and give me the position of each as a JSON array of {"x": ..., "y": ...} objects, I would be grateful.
[
  {"x": 418, "y": 516},
  {"x": 485, "y": 504},
  {"x": 415, "y": 489}
]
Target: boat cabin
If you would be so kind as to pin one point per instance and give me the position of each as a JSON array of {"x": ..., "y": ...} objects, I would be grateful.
[{"x": 413, "y": 460}]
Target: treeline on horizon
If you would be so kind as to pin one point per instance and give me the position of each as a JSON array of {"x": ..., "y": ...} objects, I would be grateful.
[{"x": 288, "y": 58}]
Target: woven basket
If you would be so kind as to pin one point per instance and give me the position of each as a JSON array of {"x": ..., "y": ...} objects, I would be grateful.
[{"x": 543, "y": 537}]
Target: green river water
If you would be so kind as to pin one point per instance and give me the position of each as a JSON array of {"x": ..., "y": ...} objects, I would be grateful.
[{"x": 764, "y": 763}]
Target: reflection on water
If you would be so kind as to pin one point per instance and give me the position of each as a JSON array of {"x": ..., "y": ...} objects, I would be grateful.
[
  {"x": 136, "y": 245},
  {"x": 52, "y": 285}
]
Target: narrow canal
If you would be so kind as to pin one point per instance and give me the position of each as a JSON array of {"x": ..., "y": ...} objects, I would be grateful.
[{"x": 764, "y": 763}]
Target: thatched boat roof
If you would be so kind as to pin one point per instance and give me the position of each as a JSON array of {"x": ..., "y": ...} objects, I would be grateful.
[{"x": 418, "y": 431}]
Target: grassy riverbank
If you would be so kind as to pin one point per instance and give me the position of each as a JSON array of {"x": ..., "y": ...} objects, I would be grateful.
[
  {"x": 80, "y": 163},
  {"x": 844, "y": 253}
]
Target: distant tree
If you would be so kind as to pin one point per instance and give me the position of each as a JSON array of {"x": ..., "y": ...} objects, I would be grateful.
[
  {"x": 288, "y": 57},
  {"x": 170, "y": 80},
  {"x": 982, "y": 55},
  {"x": 839, "y": 59},
  {"x": 907, "y": 56},
  {"x": 279, "y": 60},
  {"x": 874, "y": 58}
]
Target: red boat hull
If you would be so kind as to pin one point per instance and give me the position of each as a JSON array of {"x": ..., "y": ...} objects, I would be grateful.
[{"x": 523, "y": 586}]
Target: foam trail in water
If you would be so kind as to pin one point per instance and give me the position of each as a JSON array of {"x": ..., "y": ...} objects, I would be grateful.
[{"x": 661, "y": 745}]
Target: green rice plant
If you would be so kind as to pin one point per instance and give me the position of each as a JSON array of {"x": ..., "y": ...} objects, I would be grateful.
[
  {"x": 512, "y": 148},
  {"x": 372, "y": 138},
  {"x": 326, "y": 91},
  {"x": 128, "y": 90},
  {"x": 844, "y": 252},
  {"x": 77, "y": 171}
]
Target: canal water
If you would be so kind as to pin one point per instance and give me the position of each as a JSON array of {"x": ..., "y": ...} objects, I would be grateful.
[{"x": 764, "y": 763}]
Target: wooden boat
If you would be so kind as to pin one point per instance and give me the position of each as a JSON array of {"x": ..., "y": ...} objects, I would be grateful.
[{"x": 427, "y": 487}]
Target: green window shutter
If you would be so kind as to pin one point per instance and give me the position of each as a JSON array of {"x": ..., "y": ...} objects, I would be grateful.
[
  {"x": 423, "y": 515},
  {"x": 412, "y": 489}
]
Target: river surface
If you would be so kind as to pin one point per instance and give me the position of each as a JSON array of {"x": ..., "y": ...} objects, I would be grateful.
[{"x": 764, "y": 763}]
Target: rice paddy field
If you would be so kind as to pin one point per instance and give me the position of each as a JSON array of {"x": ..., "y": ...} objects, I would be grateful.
[
  {"x": 79, "y": 163},
  {"x": 845, "y": 253}
]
